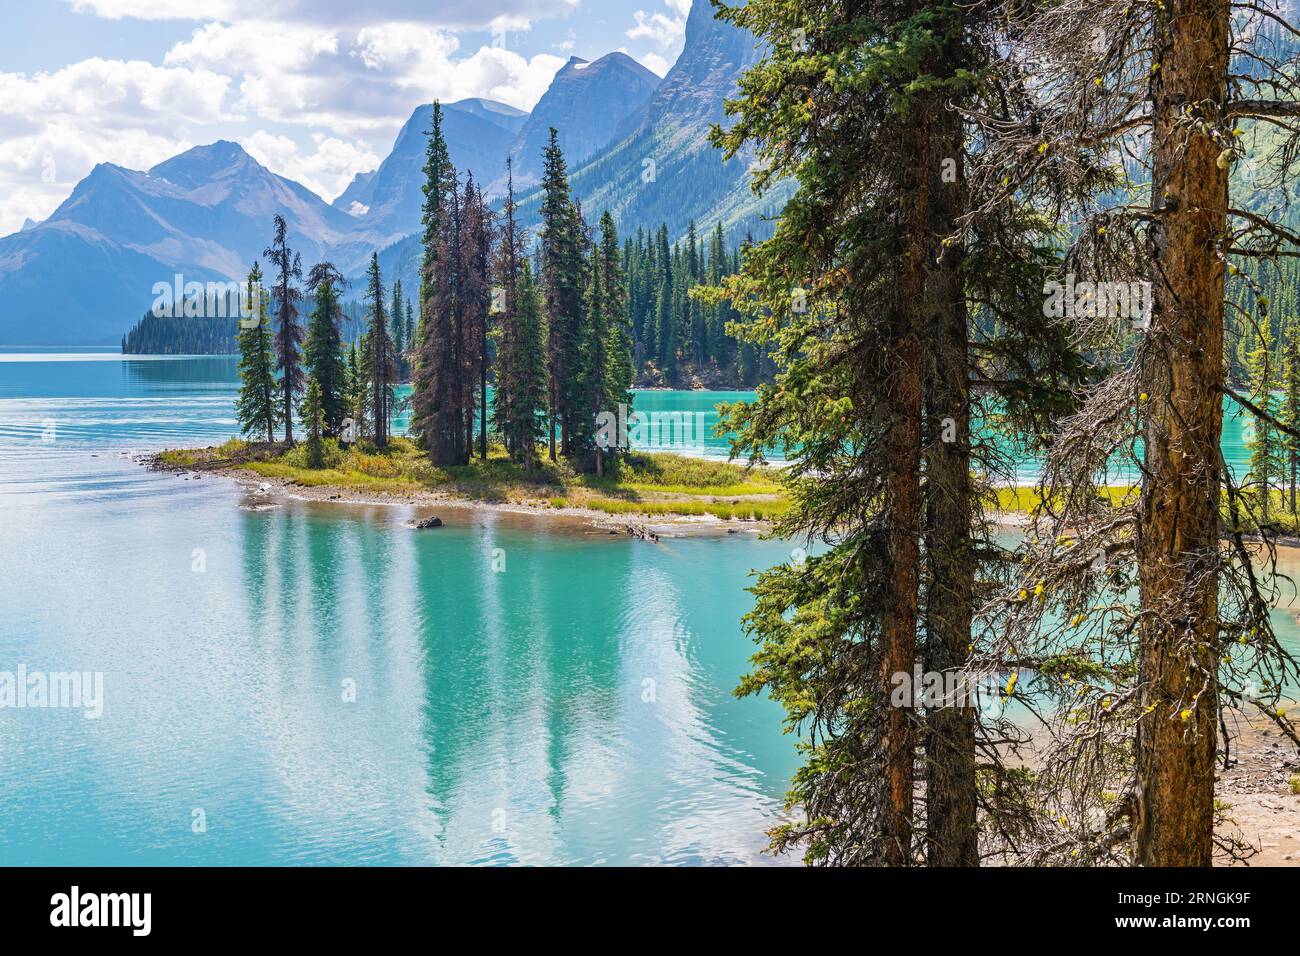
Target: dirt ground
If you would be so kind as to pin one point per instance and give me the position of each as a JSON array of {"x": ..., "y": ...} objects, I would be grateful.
[{"x": 1262, "y": 809}]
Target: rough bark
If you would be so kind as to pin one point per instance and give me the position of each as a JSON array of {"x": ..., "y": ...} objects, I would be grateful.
[
  {"x": 1182, "y": 378},
  {"x": 903, "y": 496},
  {"x": 951, "y": 834}
]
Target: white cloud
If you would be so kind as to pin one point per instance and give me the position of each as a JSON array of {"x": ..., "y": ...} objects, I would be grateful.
[
  {"x": 315, "y": 89},
  {"x": 460, "y": 14},
  {"x": 253, "y": 45},
  {"x": 665, "y": 31},
  {"x": 103, "y": 91},
  {"x": 326, "y": 170},
  {"x": 659, "y": 28},
  {"x": 38, "y": 169},
  {"x": 358, "y": 83},
  {"x": 655, "y": 63}
]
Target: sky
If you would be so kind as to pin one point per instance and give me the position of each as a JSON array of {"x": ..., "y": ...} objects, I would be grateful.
[{"x": 316, "y": 90}]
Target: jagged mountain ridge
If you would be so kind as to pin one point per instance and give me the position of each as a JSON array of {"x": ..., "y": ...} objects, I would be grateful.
[{"x": 85, "y": 274}]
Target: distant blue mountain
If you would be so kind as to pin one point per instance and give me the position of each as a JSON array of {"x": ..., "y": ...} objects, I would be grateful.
[
  {"x": 387, "y": 202},
  {"x": 86, "y": 274},
  {"x": 81, "y": 275}
]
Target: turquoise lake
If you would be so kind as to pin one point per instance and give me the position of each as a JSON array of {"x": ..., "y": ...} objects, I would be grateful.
[
  {"x": 575, "y": 708},
  {"x": 572, "y": 708}
]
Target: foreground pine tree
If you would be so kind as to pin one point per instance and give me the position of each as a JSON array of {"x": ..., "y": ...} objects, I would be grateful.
[
  {"x": 847, "y": 406},
  {"x": 1135, "y": 748}
]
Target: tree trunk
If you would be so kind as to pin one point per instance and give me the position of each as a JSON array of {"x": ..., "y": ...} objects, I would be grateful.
[
  {"x": 551, "y": 416},
  {"x": 902, "y": 504},
  {"x": 1182, "y": 376},
  {"x": 951, "y": 834},
  {"x": 288, "y": 407},
  {"x": 482, "y": 407}
]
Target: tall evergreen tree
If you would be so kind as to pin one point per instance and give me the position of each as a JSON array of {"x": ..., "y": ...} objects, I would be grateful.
[
  {"x": 520, "y": 400},
  {"x": 1264, "y": 443},
  {"x": 410, "y": 340},
  {"x": 1290, "y": 410},
  {"x": 257, "y": 410},
  {"x": 358, "y": 391},
  {"x": 848, "y": 406},
  {"x": 476, "y": 292},
  {"x": 617, "y": 371},
  {"x": 433, "y": 417},
  {"x": 521, "y": 419},
  {"x": 323, "y": 353},
  {"x": 1154, "y": 84},
  {"x": 396, "y": 318},
  {"x": 562, "y": 282},
  {"x": 383, "y": 370},
  {"x": 289, "y": 331}
]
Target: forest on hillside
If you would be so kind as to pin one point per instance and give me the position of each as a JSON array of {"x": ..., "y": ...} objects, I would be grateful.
[{"x": 677, "y": 340}]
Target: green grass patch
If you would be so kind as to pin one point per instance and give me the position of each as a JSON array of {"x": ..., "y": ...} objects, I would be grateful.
[
  {"x": 647, "y": 484},
  {"x": 1025, "y": 500}
]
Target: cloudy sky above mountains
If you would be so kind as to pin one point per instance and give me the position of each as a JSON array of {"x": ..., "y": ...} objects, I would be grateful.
[{"x": 314, "y": 89}]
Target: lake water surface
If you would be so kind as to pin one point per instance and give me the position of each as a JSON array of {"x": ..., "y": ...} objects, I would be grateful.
[
  {"x": 575, "y": 708},
  {"x": 316, "y": 684}
]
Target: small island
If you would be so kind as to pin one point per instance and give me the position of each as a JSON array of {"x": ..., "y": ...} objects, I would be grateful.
[{"x": 658, "y": 485}]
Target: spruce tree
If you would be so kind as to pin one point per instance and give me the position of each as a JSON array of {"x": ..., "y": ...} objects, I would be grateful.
[
  {"x": 432, "y": 418},
  {"x": 313, "y": 419},
  {"x": 520, "y": 415},
  {"x": 358, "y": 392},
  {"x": 1290, "y": 405},
  {"x": 562, "y": 283},
  {"x": 590, "y": 395},
  {"x": 289, "y": 331},
  {"x": 398, "y": 329},
  {"x": 1264, "y": 443},
  {"x": 382, "y": 370},
  {"x": 410, "y": 327},
  {"x": 476, "y": 294},
  {"x": 257, "y": 409},
  {"x": 862, "y": 303},
  {"x": 520, "y": 400},
  {"x": 617, "y": 372},
  {"x": 323, "y": 353}
]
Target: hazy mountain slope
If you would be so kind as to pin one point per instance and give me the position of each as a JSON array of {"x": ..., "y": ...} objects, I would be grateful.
[
  {"x": 87, "y": 272},
  {"x": 587, "y": 103},
  {"x": 666, "y": 170},
  {"x": 479, "y": 134}
]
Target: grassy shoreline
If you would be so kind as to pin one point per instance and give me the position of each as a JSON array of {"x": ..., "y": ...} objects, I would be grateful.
[
  {"x": 652, "y": 485},
  {"x": 645, "y": 484}
]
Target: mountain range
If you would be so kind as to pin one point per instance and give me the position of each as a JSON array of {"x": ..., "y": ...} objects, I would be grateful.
[{"x": 635, "y": 145}]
